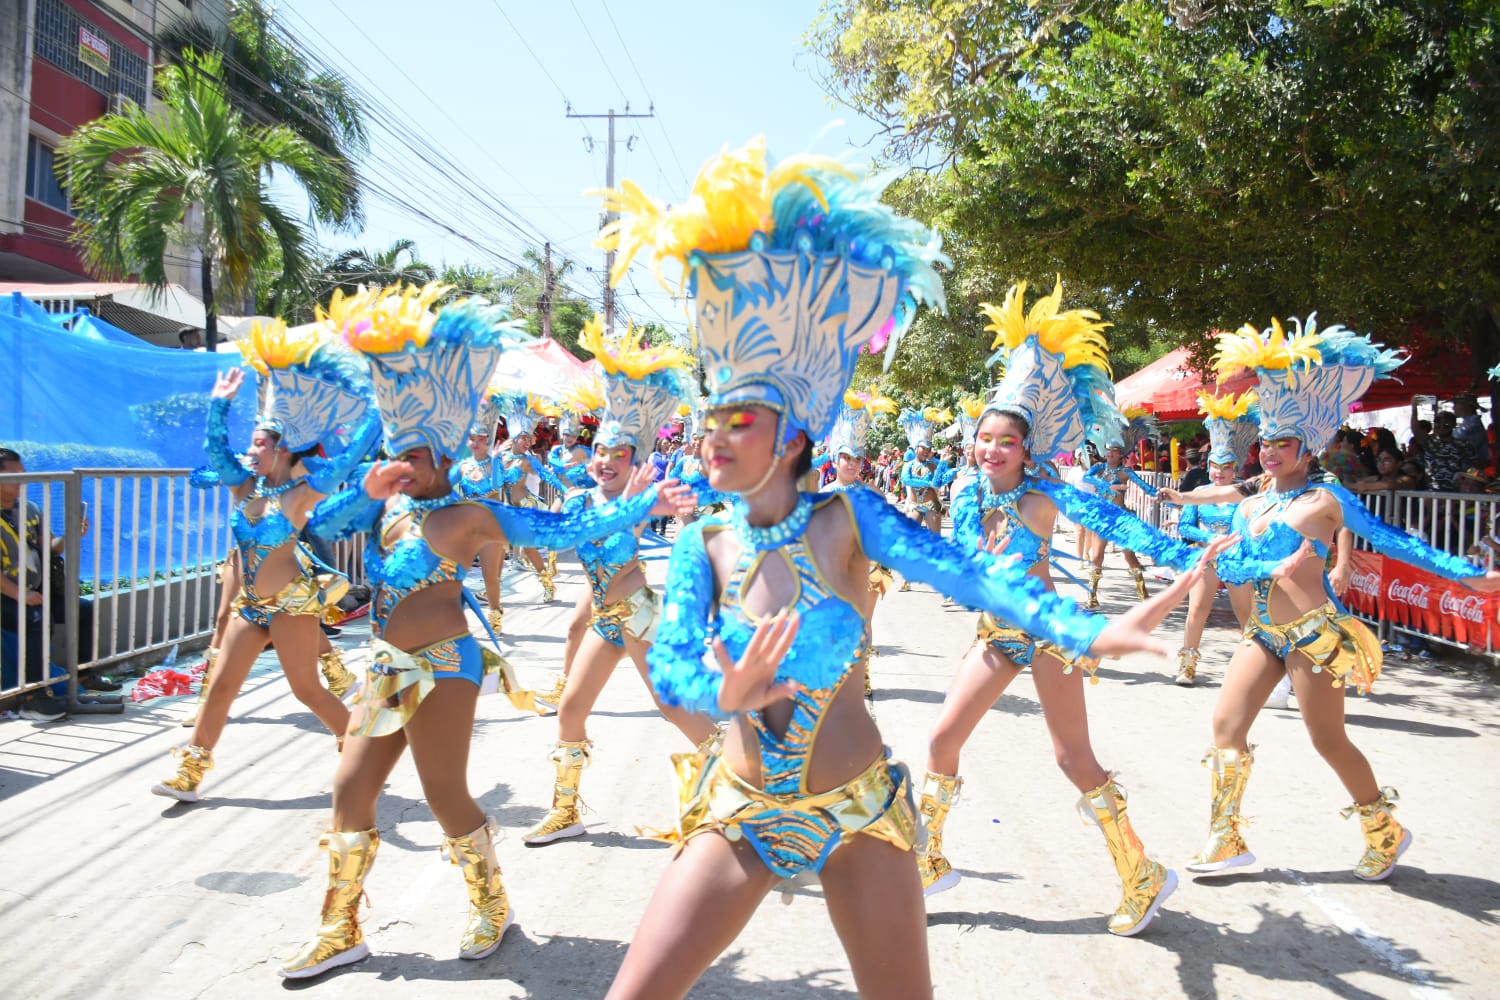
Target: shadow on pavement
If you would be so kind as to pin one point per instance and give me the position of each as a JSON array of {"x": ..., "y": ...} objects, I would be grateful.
[
  {"x": 1468, "y": 895},
  {"x": 568, "y": 967}
]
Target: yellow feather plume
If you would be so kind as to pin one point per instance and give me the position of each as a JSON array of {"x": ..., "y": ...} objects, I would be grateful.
[
  {"x": 272, "y": 345},
  {"x": 1075, "y": 334},
  {"x": 587, "y": 395},
  {"x": 1230, "y": 406},
  {"x": 1272, "y": 349},
  {"x": 972, "y": 406},
  {"x": 627, "y": 355},
  {"x": 542, "y": 407},
  {"x": 937, "y": 415},
  {"x": 729, "y": 202},
  {"x": 381, "y": 320},
  {"x": 872, "y": 401}
]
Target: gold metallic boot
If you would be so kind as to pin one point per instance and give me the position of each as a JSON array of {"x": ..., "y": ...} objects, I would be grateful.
[
  {"x": 1145, "y": 884},
  {"x": 489, "y": 911},
  {"x": 210, "y": 657},
  {"x": 339, "y": 940},
  {"x": 1140, "y": 581},
  {"x": 1187, "y": 667},
  {"x": 1229, "y": 772},
  {"x": 552, "y": 700},
  {"x": 1385, "y": 839},
  {"x": 339, "y": 677},
  {"x": 548, "y": 576},
  {"x": 562, "y": 819},
  {"x": 1093, "y": 602},
  {"x": 497, "y": 619},
  {"x": 939, "y": 792},
  {"x": 192, "y": 763}
]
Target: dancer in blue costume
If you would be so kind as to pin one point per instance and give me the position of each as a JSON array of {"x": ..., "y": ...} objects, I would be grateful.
[
  {"x": 426, "y": 670},
  {"x": 643, "y": 386},
  {"x": 924, "y": 476},
  {"x": 1111, "y": 480},
  {"x": 481, "y": 476},
  {"x": 1233, "y": 423},
  {"x": 569, "y": 458},
  {"x": 315, "y": 388},
  {"x": 1296, "y": 626},
  {"x": 1056, "y": 384},
  {"x": 792, "y": 271},
  {"x": 518, "y": 409}
]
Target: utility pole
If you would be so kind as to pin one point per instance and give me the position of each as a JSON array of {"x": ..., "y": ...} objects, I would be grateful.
[
  {"x": 609, "y": 182},
  {"x": 545, "y": 302}
]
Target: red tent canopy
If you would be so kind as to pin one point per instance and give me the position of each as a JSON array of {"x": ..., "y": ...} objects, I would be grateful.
[{"x": 1168, "y": 387}]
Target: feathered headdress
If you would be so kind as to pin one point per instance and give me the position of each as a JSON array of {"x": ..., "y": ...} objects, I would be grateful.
[
  {"x": 429, "y": 369},
  {"x": 486, "y": 419},
  {"x": 515, "y": 409},
  {"x": 852, "y": 426},
  {"x": 314, "y": 385},
  {"x": 585, "y": 398},
  {"x": 1057, "y": 376},
  {"x": 1233, "y": 423},
  {"x": 643, "y": 386},
  {"x": 970, "y": 409},
  {"x": 1140, "y": 424},
  {"x": 919, "y": 425},
  {"x": 1308, "y": 379},
  {"x": 792, "y": 269}
]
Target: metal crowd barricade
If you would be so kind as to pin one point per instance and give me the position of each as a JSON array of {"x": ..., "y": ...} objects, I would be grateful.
[{"x": 147, "y": 569}]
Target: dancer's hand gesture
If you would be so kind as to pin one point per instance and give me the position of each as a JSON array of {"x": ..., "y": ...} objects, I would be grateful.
[
  {"x": 228, "y": 383},
  {"x": 1168, "y": 495},
  {"x": 673, "y": 499},
  {"x": 385, "y": 479},
  {"x": 1131, "y": 632},
  {"x": 1289, "y": 565},
  {"x": 751, "y": 683}
]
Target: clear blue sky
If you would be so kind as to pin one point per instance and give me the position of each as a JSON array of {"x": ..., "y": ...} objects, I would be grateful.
[{"x": 718, "y": 72}]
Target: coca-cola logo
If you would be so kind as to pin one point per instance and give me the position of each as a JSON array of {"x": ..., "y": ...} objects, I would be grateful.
[
  {"x": 1470, "y": 607},
  {"x": 1365, "y": 583},
  {"x": 1414, "y": 594}
]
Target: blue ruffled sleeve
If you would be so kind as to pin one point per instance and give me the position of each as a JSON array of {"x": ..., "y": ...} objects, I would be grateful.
[
  {"x": 970, "y": 576},
  {"x": 546, "y": 475},
  {"x": 706, "y": 494},
  {"x": 541, "y": 529},
  {"x": 216, "y": 442},
  {"x": 204, "y": 478},
  {"x": 1189, "y": 527},
  {"x": 1150, "y": 490},
  {"x": 1095, "y": 478},
  {"x": 944, "y": 474},
  {"x": 680, "y": 672},
  {"x": 329, "y": 475},
  {"x": 345, "y": 513},
  {"x": 908, "y": 478},
  {"x": 1397, "y": 544},
  {"x": 510, "y": 473},
  {"x": 1118, "y": 525},
  {"x": 576, "y": 475},
  {"x": 967, "y": 520}
]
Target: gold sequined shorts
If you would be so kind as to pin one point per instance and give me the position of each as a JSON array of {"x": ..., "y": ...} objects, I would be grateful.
[
  {"x": 310, "y": 593},
  {"x": 881, "y": 578},
  {"x": 635, "y": 615},
  {"x": 793, "y": 833},
  {"x": 1020, "y": 648},
  {"x": 1336, "y": 643},
  {"x": 396, "y": 681}
]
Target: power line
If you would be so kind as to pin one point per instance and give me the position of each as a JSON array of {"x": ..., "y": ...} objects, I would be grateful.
[{"x": 647, "y": 91}]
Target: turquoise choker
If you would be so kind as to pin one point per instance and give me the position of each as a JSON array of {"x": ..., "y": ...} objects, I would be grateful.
[
  {"x": 995, "y": 501},
  {"x": 776, "y": 535}
]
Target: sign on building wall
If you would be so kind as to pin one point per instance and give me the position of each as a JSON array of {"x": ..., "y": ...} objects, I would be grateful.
[{"x": 93, "y": 51}]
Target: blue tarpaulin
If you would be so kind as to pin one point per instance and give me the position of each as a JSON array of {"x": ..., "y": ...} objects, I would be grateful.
[{"x": 94, "y": 397}]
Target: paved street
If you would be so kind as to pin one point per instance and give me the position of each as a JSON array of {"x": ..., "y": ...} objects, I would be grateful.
[{"x": 108, "y": 891}]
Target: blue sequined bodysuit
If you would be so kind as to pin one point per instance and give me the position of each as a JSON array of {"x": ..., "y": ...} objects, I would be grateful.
[
  {"x": 256, "y": 538},
  {"x": 1205, "y": 522},
  {"x": 603, "y": 559},
  {"x": 828, "y": 642}
]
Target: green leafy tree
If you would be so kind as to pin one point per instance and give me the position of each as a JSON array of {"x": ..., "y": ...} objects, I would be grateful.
[
  {"x": 1196, "y": 165},
  {"x": 270, "y": 82},
  {"x": 194, "y": 172},
  {"x": 398, "y": 263}
]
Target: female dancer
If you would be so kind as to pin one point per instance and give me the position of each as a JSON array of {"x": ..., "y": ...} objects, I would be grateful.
[
  {"x": 518, "y": 463},
  {"x": 1056, "y": 384},
  {"x": 1111, "y": 480},
  {"x": 1296, "y": 626},
  {"x": 793, "y": 270},
  {"x": 481, "y": 476},
  {"x": 425, "y": 668},
  {"x": 643, "y": 386},
  {"x": 1233, "y": 423},
  {"x": 315, "y": 387}
]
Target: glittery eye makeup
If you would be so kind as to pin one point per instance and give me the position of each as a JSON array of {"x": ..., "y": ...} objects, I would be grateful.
[{"x": 735, "y": 420}]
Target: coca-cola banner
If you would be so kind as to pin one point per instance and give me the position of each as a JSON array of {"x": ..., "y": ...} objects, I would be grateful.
[
  {"x": 1363, "y": 595},
  {"x": 1390, "y": 590}
]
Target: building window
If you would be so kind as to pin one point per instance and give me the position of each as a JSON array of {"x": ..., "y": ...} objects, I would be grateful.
[
  {"x": 80, "y": 49},
  {"x": 41, "y": 180}
]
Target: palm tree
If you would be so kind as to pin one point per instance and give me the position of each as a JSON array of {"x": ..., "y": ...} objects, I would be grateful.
[
  {"x": 358, "y": 266},
  {"x": 193, "y": 171},
  {"x": 270, "y": 82}
]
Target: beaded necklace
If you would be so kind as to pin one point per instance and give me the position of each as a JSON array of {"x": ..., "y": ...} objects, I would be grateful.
[{"x": 775, "y": 535}]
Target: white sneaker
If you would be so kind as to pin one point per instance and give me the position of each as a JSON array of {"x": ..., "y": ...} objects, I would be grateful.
[{"x": 1280, "y": 698}]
